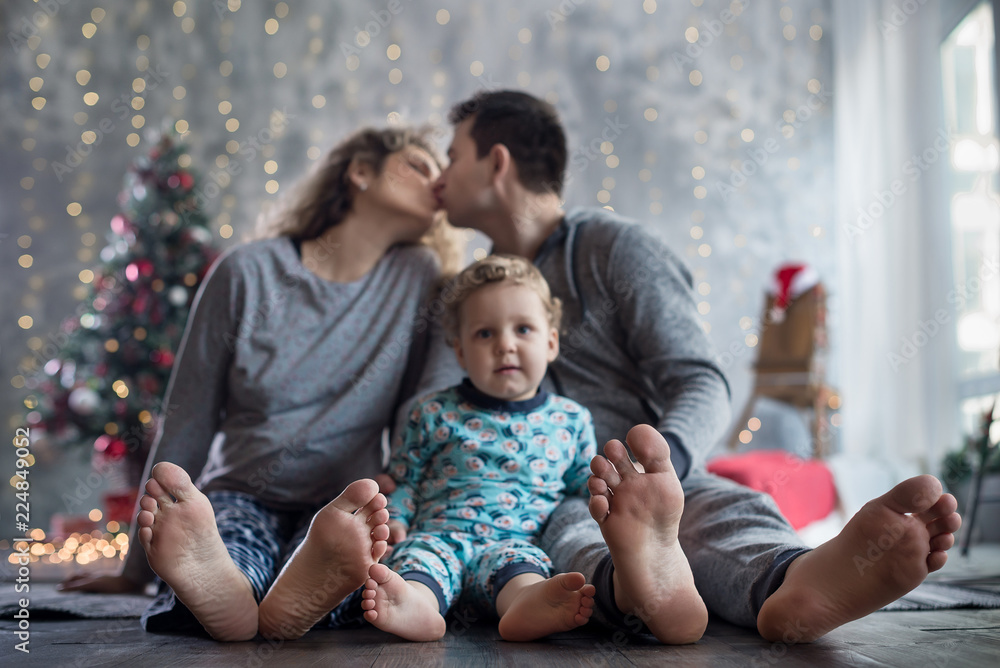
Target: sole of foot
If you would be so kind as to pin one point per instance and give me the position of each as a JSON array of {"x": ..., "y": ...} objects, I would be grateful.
[
  {"x": 639, "y": 515},
  {"x": 560, "y": 603},
  {"x": 885, "y": 551},
  {"x": 395, "y": 606},
  {"x": 345, "y": 538},
  {"x": 178, "y": 532}
]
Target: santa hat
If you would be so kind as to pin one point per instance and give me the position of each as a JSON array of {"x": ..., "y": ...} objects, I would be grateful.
[{"x": 790, "y": 281}]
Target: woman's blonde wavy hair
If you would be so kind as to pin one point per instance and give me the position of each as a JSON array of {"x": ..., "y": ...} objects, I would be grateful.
[{"x": 324, "y": 198}]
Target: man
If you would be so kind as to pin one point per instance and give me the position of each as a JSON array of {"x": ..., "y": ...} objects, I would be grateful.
[{"x": 634, "y": 353}]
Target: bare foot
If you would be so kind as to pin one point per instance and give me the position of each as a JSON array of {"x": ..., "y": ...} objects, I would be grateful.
[
  {"x": 639, "y": 514},
  {"x": 399, "y": 607},
  {"x": 561, "y": 603},
  {"x": 345, "y": 537},
  {"x": 178, "y": 531},
  {"x": 885, "y": 551}
]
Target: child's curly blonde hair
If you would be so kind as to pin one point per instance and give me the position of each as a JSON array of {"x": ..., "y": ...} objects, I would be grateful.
[{"x": 489, "y": 270}]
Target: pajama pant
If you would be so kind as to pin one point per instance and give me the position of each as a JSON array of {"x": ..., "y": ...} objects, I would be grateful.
[
  {"x": 454, "y": 563},
  {"x": 260, "y": 540},
  {"x": 737, "y": 542}
]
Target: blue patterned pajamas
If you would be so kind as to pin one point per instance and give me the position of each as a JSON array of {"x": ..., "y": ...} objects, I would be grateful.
[
  {"x": 477, "y": 477},
  {"x": 259, "y": 540},
  {"x": 453, "y": 563}
]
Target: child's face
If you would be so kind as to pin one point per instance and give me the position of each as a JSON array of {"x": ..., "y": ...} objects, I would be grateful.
[{"x": 505, "y": 341}]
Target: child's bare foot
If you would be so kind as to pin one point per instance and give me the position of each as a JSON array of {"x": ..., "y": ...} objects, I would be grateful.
[
  {"x": 178, "y": 531},
  {"x": 639, "y": 514},
  {"x": 561, "y": 603},
  {"x": 885, "y": 551},
  {"x": 345, "y": 537},
  {"x": 399, "y": 607}
]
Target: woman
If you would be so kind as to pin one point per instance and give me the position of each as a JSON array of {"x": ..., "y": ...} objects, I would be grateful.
[{"x": 292, "y": 365}]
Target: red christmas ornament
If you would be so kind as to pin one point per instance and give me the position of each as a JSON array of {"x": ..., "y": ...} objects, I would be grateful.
[
  {"x": 116, "y": 449},
  {"x": 166, "y": 359},
  {"x": 186, "y": 180}
]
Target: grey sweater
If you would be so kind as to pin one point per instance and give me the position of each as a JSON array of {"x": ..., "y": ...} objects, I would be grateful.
[
  {"x": 631, "y": 348},
  {"x": 285, "y": 381}
]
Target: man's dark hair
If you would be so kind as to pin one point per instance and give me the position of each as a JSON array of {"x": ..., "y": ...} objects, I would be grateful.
[{"x": 527, "y": 126}]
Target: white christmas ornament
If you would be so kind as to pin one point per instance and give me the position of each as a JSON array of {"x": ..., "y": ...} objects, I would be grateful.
[
  {"x": 83, "y": 401},
  {"x": 177, "y": 296}
]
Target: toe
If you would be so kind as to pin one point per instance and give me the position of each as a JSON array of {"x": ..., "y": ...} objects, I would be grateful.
[
  {"x": 942, "y": 543},
  {"x": 597, "y": 486},
  {"x": 378, "y": 573},
  {"x": 374, "y": 506},
  {"x": 605, "y": 470},
  {"x": 173, "y": 480},
  {"x": 379, "y": 549},
  {"x": 380, "y": 532},
  {"x": 618, "y": 456},
  {"x": 914, "y": 495},
  {"x": 356, "y": 495},
  {"x": 936, "y": 561},
  {"x": 378, "y": 517},
  {"x": 145, "y": 518},
  {"x": 145, "y": 537},
  {"x": 599, "y": 508},
  {"x": 572, "y": 581},
  {"x": 650, "y": 448},
  {"x": 148, "y": 503},
  {"x": 947, "y": 524},
  {"x": 157, "y": 493},
  {"x": 943, "y": 507}
]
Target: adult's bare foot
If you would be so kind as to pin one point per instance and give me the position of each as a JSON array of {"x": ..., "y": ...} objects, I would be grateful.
[
  {"x": 639, "y": 514},
  {"x": 345, "y": 537},
  {"x": 560, "y": 603},
  {"x": 401, "y": 608},
  {"x": 178, "y": 531},
  {"x": 885, "y": 551}
]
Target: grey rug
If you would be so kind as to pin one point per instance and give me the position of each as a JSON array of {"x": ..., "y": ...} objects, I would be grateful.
[
  {"x": 46, "y": 603},
  {"x": 942, "y": 596}
]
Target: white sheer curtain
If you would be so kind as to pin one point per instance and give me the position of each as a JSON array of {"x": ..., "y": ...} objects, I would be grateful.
[{"x": 894, "y": 361}]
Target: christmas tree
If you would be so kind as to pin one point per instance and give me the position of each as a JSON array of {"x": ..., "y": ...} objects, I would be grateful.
[{"x": 103, "y": 389}]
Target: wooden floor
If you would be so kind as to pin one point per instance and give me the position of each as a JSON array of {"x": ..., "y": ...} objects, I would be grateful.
[{"x": 952, "y": 639}]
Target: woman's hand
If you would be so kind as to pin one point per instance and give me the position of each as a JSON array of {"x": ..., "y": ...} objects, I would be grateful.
[{"x": 101, "y": 584}]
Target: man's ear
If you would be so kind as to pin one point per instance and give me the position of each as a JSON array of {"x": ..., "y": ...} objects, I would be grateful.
[
  {"x": 500, "y": 161},
  {"x": 553, "y": 352}
]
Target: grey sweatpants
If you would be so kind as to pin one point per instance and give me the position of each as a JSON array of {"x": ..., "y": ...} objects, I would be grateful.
[{"x": 736, "y": 541}]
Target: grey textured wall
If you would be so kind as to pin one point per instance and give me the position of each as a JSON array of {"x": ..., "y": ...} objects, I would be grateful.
[{"x": 691, "y": 98}]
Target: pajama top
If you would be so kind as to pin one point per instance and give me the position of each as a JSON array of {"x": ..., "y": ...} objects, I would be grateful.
[{"x": 496, "y": 469}]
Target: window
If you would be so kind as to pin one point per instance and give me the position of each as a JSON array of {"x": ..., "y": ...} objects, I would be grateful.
[{"x": 968, "y": 64}]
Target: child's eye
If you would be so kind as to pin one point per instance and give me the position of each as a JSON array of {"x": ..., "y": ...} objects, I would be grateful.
[
  {"x": 482, "y": 334},
  {"x": 524, "y": 329}
]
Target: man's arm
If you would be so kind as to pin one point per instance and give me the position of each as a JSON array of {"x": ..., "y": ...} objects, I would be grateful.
[{"x": 665, "y": 338}]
